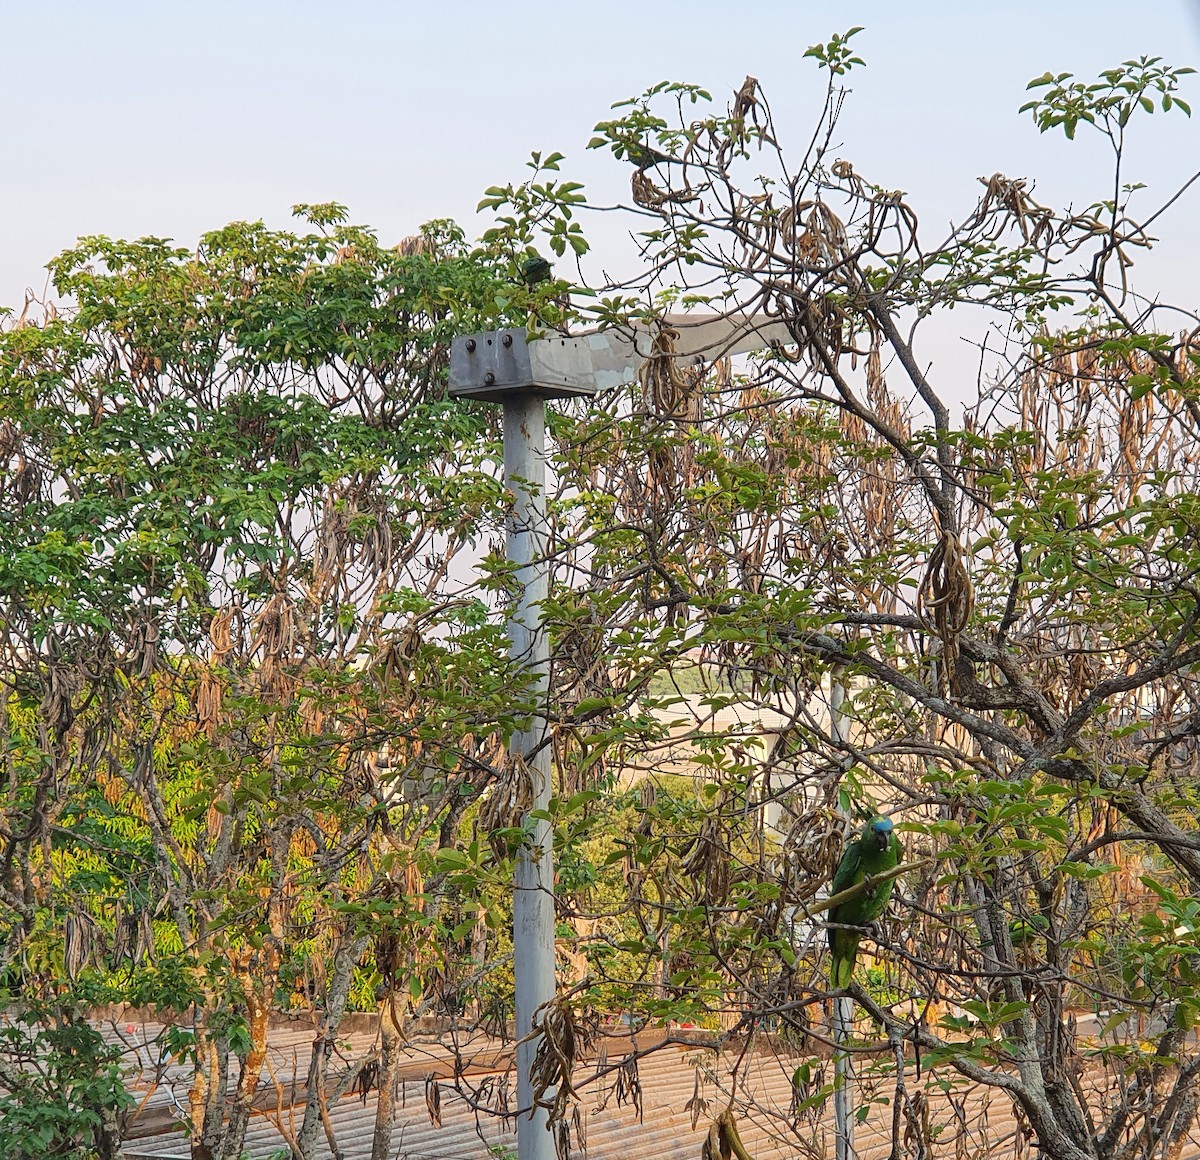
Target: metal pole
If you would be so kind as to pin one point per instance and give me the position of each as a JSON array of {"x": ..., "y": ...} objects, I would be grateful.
[
  {"x": 843, "y": 1006},
  {"x": 843, "y": 1121},
  {"x": 533, "y": 898}
]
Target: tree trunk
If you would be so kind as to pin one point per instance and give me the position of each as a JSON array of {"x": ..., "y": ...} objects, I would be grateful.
[
  {"x": 344, "y": 960},
  {"x": 389, "y": 1062},
  {"x": 247, "y": 1089},
  {"x": 207, "y": 1095}
]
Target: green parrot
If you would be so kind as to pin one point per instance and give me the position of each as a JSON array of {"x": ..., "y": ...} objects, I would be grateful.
[
  {"x": 876, "y": 850},
  {"x": 1022, "y": 931}
]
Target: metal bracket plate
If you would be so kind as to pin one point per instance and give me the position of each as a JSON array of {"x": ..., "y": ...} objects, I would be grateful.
[{"x": 501, "y": 363}]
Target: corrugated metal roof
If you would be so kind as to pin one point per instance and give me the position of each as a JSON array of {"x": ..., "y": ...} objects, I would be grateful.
[{"x": 983, "y": 1121}]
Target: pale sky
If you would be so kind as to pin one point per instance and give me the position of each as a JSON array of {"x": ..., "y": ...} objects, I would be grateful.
[{"x": 172, "y": 118}]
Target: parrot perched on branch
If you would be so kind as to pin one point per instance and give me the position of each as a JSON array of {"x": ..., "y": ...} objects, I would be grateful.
[
  {"x": 1022, "y": 931},
  {"x": 875, "y": 851}
]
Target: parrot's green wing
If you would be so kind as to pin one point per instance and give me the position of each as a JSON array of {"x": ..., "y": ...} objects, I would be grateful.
[
  {"x": 843, "y": 944},
  {"x": 847, "y": 872}
]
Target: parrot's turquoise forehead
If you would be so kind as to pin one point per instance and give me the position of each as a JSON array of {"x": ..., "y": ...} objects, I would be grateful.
[{"x": 882, "y": 825}]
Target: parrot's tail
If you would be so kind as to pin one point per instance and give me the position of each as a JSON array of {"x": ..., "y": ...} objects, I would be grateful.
[{"x": 843, "y": 952}]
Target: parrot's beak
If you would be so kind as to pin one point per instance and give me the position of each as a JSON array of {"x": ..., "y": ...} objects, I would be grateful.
[{"x": 881, "y": 839}]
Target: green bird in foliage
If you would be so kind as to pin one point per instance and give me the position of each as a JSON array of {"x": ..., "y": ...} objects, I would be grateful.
[
  {"x": 875, "y": 851},
  {"x": 1022, "y": 931}
]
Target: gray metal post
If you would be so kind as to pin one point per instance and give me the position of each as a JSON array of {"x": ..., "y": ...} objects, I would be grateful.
[
  {"x": 533, "y": 899},
  {"x": 843, "y": 1006},
  {"x": 503, "y": 366}
]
